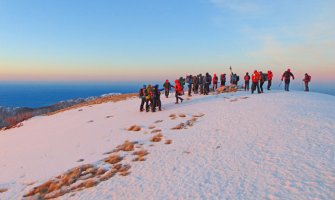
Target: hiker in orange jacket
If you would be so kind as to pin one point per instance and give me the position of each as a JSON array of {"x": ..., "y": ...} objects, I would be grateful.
[
  {"x": 255, "y": 82},
  {"x": 178, "y": 90}
]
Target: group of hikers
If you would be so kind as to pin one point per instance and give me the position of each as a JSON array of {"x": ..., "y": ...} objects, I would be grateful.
[{"x": 203, "y": 84}]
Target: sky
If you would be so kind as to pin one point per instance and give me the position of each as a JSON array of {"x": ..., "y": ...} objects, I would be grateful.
[{"x": 132, "y": 40}]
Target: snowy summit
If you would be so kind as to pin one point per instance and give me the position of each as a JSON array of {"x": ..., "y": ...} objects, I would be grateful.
[{"x": 276, "y": 145}]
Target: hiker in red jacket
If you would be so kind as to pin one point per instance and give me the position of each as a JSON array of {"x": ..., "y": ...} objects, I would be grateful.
[
  {"x": 215, "y": 82},
  {"x": 287, "y": 75},
  {"x": 178, "y": 89},
  {"x": 270, "y": 76},
  {"x": 255, "y": 82},
  {"x": 246, "y": 82},
  {"x": 307, "y": 79}
]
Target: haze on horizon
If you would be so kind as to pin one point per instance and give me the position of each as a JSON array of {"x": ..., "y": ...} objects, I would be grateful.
[{"x": 150, "y": 40}]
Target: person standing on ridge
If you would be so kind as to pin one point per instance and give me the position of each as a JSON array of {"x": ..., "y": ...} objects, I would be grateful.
[
  {"x": 270, "y": 76},
  {"x": 157, "y": 96},
  {"x": 246, "y": 82},
  {"x": 167, "y": 87},
  {"x": 261, "y": 80},
  {"x": 189, "y": 81},
  {"x": 215, "y": 82},
  {"x": 287, "y": 76},
  {"x": 223, "y": 79},
  {"x": 142, "y": 95},
  {"x": 307, "y": 79},
  {"x": 201, "y": 83},
  {"x": 195, "y": 84},
  {"x": 208, "y": 80},
  {"x": 178, "y": 91},
  {"x": 255, "y": 82}
]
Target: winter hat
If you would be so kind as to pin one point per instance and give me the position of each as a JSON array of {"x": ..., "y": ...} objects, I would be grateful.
[
  {"x": 288, "y": 69},
  {"x": 255, "y": 71}
]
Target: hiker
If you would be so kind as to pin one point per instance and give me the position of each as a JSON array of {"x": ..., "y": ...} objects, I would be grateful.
[
  {"x": 215, "y": 82},
  {"x": 201, "y": 81},
  {"x": 255, "y": 82},
  {"x": 167, "y": 87},
  {"x": 261, "y": 80},
  {"x": 178, "y": 91},
  {"x": 157, "y": 97},
  {"x": 307, "y": 79},
  {"x": 234, "y": 79},
  {"x": 208, "y": 80},
  {"x": 223, "y": 79},
  {"x": 195, "y": 84},
  {"x": 142, "y": 95},
  {"x": 287, "y": 76},
  {"x": 149, "y": 98},
  {"x": 182, "y": 84},
  {"x": 189, "y": 81},
  {"x": 246, "y": 82},
  {"x": 270, "y": 76}
]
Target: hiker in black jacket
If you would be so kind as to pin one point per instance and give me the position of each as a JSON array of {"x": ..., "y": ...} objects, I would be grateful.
[
  {"x": 142, "y": 95},
  {"x": 287, "y": 76},
  {"x": 167, "y": 87},
  {"x": 157, "y": 97}
]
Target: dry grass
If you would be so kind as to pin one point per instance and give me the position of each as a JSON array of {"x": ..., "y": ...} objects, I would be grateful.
[
  {"x": 113, "y": 159},
  {"x": 182, "y": 115},
  {"x": 199, "y": 115},
  {"x": 141, "y": 153},
  {"x": 172, "y": 115},
  {"x": 156, "y": 131},
  {"x": 134, "y": 128},
  {"x": 168, "y": 141},
  {"x": 2, "y": 190},
  {"x": 156, "y": 138},
  {"x": 126, "y": 146},
  {"x": 151, "y": 127},
  {"x": 97, "y": 101}
]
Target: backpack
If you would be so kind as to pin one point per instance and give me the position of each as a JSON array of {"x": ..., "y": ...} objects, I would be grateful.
[
  {"x": 309, "y": 78},
  {"x": 265, "y": 77},
  {"x": 208, "y": 79},
  {"x": 237, "y": 78},
  {"x": 246, "y": 77}
]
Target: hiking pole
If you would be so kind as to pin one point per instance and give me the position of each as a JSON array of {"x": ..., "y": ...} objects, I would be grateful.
[{"x": 280, "y": 84}]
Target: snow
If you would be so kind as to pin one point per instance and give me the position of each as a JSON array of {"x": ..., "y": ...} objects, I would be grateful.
[{"x": 276, "y": 145}]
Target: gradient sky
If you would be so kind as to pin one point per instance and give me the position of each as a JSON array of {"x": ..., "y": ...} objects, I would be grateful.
[{"x": 112, "y": 40}]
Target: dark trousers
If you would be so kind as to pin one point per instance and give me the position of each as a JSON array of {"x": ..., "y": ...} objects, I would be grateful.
[
  {"x": 306, "y": 87},
  {"x": 195, "y": 88},
  {"x": 158, "y": 103},
  {"x": 215, "y": 86},
  {"x": 246, "y": 86},
  {"x": 178, "y": 97},
  {"x": 254, "y": 86},
  {"x": 287, "y": 84},
  {"x": 201, "y": 88},
  {"x": 261, "y": 86},
  {"x": 189, "y": 89},
  {"x": 167, "y": 93},
  {"x": 206, "y": 88},
  {"x": 269, "y": 84},
  {"x": 153, "y": 104}
]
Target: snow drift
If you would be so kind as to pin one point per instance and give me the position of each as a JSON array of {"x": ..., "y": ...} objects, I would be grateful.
[{"x": 275, "y": 145}]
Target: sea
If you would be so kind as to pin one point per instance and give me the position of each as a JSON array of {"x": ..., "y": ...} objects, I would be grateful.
[{"x": 39, "y": 94}]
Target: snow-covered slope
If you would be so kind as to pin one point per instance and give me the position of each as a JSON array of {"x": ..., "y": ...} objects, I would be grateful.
[{"x": 275, "y": 145}]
